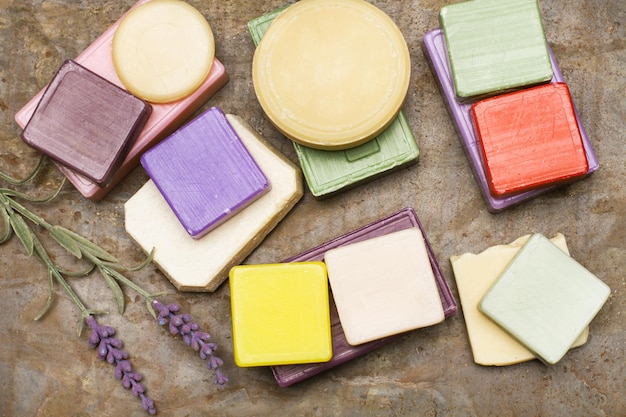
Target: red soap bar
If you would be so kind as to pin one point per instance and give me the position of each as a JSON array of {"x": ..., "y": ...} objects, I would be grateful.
[{"x": 529, "y": 139}]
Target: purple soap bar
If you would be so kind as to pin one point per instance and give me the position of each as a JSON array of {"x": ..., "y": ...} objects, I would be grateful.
[
  {"x": 342, "y": 351},
  {"x": 205, "y": 173},
  {"x": 85, "y": 122},
  {"x": 436, "y": 54}
]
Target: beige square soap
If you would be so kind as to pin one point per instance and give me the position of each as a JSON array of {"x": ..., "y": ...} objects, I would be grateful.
[{"x": 384, "y": 286}]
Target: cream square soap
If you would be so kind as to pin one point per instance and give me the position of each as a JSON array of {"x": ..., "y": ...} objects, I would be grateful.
[
  {"x": 280, "y": 314},
  {"x": 383, "y": 286},
  {"x": 474, "y": 274},
  {"x": 203, "y": 264},
  {"x": 495, "y": 45},
  {"x": 545, "y": 299}
]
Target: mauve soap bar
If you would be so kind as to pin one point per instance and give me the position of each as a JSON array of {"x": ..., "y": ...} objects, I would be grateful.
[
  {"x": 328, "y": 172},
  {"x": 529, "y": 139},
  {"x": 85, "y": 122},
  {"x": 205, "y": 173},
  {"x": 164, "y": 120},
  {"x": 342, "y": 351},
  {"x": 435, "y": 52}
]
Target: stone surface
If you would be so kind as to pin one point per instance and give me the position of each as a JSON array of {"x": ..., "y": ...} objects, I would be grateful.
[{"x": 46, "y": 370}]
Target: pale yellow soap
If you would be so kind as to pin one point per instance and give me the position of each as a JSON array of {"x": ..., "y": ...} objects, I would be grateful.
[
  {"x": 474, "y": 274},
  {"x": 203, "y": 264},
  {"x": 331, "y": 74},
  {"x": 163, "y": 50}
]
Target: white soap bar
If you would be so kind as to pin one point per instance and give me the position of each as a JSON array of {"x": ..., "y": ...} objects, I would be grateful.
[
  {"x": 203, "y": 264},
  {"x": 383, "y": 286},
  {"x": 474, "y": 274}
]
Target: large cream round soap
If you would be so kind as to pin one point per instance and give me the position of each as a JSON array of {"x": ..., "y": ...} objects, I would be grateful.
[
  {"x": 331, "y": 74},
  {"x": 163, "y": 50}
]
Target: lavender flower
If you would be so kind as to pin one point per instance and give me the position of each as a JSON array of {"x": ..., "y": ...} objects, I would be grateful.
[
  {"x": 184, "y": 325},
  {"x": 110, "y": 349}
]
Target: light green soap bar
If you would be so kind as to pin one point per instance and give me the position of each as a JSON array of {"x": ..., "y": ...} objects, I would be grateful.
[
  {"x": 495, "y": 45},
  {"x": 327, "y": 172},
  {"x": 545, "y": 299},
  {"x": 258, "y": 26}
]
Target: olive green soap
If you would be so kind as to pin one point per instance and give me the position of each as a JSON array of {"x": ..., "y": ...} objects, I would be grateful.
[
  {"x": 259, "y": 25},
  {"x": 545, "y": 299},
  {"x": 327, "y": 172},
  {"x": 495, "y": 46}
]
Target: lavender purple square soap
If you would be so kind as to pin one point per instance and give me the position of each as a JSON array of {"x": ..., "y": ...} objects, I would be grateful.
[
  {"x": 205, "y": 173},
  {"x": 85, "y": 122},
  {"x": 203, "y": 264}
]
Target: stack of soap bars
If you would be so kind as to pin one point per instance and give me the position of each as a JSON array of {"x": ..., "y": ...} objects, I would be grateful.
[
  {"x": 110, "y": 104},
  {"x": 121, "y": 102},
  {"x": 525, "y": 300},
  {"x": 508, "y": 99},
  {"x": 346, "y": 128},
  {"x": 338, "y": 300},
  {"x": 217, "y": 189}
]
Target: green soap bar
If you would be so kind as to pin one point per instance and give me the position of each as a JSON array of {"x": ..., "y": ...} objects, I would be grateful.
[
  {"x": 327, "y": 172},
  {"x": 259, "y": 25},
  {"x": 495, "y": 45},
  {"x": 545, "y": 299}
]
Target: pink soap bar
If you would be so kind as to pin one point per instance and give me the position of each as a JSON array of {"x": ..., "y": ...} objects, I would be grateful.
[
  {"x": 164, "y": 120},
  {"x": 85, "y": 122},
  {"x": 287, "y": 375},
  {"x": 205, "y": 173}
]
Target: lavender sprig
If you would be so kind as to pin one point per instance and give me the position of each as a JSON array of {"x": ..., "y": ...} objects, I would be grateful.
[
  {"x": 109, "y": 348},
  {"x": 16, "y": 219},
  {"x": 183, "y": 324}
]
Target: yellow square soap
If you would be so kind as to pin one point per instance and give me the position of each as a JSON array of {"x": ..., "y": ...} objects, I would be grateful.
[{"x": 280, "y": 314}]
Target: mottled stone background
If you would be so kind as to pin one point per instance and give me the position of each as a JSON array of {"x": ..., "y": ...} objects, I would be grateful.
[{"x": 46, "y": 370}]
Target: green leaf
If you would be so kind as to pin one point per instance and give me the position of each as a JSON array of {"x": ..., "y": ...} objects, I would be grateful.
[
  {"x": 58, "y": 233},
  {"x": 6, "y": 226},
  {"x": 23, "y": 232},
  {"x": 136, "y": 267},
  {"x": 87, "y": 246},
  {"x": 150, "y": 308},
  {"x": 82, "y": 273},
  {"x": 29, "y": 177},
  {"x": 46, "y": 307},
  {"x": 115, "y": 288}
]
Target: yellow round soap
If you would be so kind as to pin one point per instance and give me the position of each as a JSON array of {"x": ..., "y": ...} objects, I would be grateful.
[
  {"x": 163, "y": 50},
  {"x": 331, "y": 74}
]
